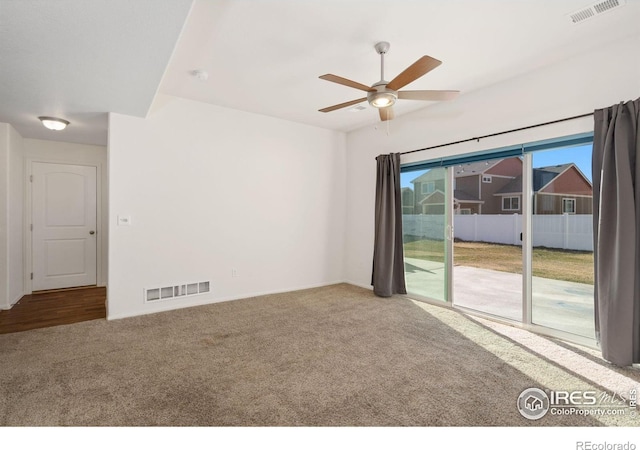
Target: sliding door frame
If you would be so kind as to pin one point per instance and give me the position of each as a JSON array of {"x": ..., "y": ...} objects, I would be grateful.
[
  {"x": 526, "y": 151},
  {"x": 449, "y": 220},
  {"x": 527, "y": 238}
]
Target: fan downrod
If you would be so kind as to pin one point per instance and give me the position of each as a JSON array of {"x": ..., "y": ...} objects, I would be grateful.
[{"x": 382, "y": 48}]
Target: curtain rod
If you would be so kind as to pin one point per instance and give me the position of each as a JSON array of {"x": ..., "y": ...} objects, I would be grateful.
[{"x": 499, "y": 133}]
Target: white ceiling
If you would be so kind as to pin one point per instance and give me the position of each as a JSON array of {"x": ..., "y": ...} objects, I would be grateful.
[
  {"x": 265, "y": 56},
  {"x": 79, "y": 59}
]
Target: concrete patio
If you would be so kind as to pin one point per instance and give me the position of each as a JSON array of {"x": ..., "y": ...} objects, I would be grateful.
[{"x": 561, "y": 305}]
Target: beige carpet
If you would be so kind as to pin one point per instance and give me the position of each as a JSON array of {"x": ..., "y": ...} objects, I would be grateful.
[{"x": 333, "y": 356}]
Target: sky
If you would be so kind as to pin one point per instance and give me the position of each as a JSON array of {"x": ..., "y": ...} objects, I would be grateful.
[{"x": 579, "y": 155}]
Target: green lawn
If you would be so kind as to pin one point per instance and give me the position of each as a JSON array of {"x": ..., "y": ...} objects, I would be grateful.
[{"x": 556, "y": 264}]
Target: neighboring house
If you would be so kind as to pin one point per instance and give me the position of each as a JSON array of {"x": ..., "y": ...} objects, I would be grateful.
[
  {"x": 428, "y": 191},
  {"x": 407, "y": 200},
  {"x": 561, "y": 189},
  {"x": 475, "y": 186},
  {"x": 433, "y": 203},
  {"x": 495, "y": 187}
]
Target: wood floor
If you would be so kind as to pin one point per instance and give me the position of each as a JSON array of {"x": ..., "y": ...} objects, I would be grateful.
[{"x": 51, "y": 308}]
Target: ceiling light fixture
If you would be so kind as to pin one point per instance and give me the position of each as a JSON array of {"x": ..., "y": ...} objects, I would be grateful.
[
  {"x": 53, "y": 123},
  {"x": 382, "y": 99}
]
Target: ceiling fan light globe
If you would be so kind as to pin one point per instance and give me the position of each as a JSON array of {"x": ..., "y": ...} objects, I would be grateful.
[
  {"x": 381, "y": 102},
  {"x": 382, "y": 99}
]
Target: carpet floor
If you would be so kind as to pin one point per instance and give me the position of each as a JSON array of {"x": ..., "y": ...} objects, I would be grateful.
[{"x": 331, "y": 356}]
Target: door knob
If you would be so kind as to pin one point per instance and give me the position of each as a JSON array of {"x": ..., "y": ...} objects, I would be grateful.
[{"x": 92, "y": 232}]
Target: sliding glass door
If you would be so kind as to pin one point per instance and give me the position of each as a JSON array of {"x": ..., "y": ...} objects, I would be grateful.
[
  {"x": 487, "y": 252},
  {"x": 424, "y": 201},
  {"x": 507, "y": 235},
  {"x": 562, "y": 244}
]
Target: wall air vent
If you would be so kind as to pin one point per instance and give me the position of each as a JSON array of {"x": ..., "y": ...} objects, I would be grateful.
[
  {"x": 594, "y": 10},
  {"x": 175, "y": 292}
]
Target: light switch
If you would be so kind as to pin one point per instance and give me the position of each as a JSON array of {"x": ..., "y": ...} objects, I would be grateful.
[{"x": 124, "y": 221}]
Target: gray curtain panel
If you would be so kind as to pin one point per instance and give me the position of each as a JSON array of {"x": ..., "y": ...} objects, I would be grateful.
[
  {"x": 387, "y": 277},
  {"x": 616, "y": 231}
]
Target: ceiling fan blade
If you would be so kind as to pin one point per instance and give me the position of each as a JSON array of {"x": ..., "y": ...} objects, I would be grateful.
[
  {"x": 428, "y": 95},
  {"x": 342, "y": 105},
  {"x": 413, "y": 72},
  {"x": 345, "y": 82},
  {"x": 386, "y": 113}
]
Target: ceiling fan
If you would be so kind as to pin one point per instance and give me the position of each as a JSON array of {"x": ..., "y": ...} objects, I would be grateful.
[{"x": 383, "y": 94}]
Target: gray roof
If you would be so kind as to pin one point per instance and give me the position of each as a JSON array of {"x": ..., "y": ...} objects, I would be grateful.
[
  {"x": 541, "y": 175},
  {"x": 474, "y": 168},
  {"x": 462, "y": 196},
  {"x": 514, "y": 186},
  {"x": 461, "y": 170},
  {"x": 437, "y": 191},
  {"x": 544, "y": 175},
  {"x": 429, "y": 175},
  {"x": 557, "y": 169}
]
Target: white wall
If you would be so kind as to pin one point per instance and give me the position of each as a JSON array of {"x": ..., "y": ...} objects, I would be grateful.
[
  {"x": 11, "y": 216},
  {"x": 603, "y": 77},
  {"x": 16, "y": 216},
  {"x": 37, "y": 150},
  {"x": 209, "y": 190},
  {"x": 4, "y": 215}
]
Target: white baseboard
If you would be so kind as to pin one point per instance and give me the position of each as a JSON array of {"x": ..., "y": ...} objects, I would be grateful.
[
  {"x": 6, "y": 307},
  {"x": 204, "y": 300},
  {"x": 16, "y": 300},
  {"x": 364, "y": 286}
]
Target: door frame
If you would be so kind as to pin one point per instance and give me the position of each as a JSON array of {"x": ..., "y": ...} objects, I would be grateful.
[{"x": 28, "y": 217}]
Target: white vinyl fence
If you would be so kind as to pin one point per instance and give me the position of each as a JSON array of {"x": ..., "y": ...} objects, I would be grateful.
[
  {"x": 424, "y": 226},
  {"x": 569, "y": 231},
  {"x": 566, "y": 231}
]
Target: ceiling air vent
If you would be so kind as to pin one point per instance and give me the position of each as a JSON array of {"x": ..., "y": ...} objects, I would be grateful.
[{"x": 595, "y": 9}]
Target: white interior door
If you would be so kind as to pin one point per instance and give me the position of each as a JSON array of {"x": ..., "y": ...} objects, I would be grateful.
[{"x": 64, "y": 226}]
